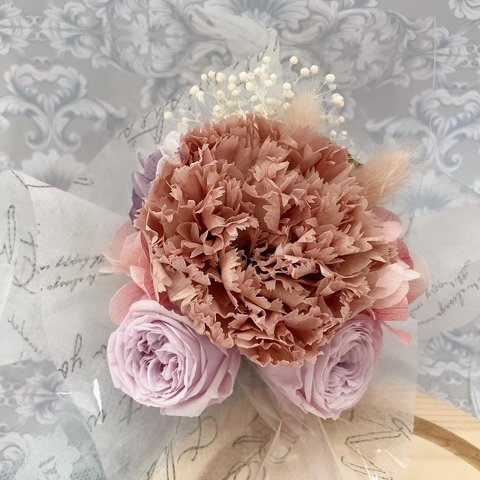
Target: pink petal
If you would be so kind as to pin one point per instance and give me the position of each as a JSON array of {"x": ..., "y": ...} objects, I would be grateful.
[
  {"x": 405, "y": 337},
  {"x": 393, "y": 299},
  {"x": 398, "y": 312},
  {"x": 123, "y": 299},
  {"x": 392, "y": 227},
  {"x": 391, "y": 230},
  {"x": 144, "y": 260},
  {"x": 114, "y": 251},
  {"x": 404, "y": 253},
  {"x": 418, "y": 285},
  {"x": 386, "y": 215},
  {"x": 388, "y": 280},
  {"x": 143, "y": 279}
]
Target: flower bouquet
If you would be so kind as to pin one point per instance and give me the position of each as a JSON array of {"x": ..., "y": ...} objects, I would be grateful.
[
  {"x": 264, "y": 329},
  {"x": 256, "y": 235}
]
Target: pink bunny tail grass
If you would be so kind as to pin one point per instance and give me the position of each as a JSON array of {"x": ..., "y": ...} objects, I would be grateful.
[
  {"x": 305, "y": 110},
  {"x": 383, "y": 174}
]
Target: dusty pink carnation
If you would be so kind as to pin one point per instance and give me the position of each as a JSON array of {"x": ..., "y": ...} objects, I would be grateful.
[{"x": 262, "y": 237}]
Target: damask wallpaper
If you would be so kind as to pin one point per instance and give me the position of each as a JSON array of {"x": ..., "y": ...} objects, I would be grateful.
[{"x": 75, "y": 72}]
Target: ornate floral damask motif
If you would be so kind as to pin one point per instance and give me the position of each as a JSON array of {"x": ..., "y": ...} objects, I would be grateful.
[
  {"x": 442, "y": 120},
  {"x": 52, "y": 100},
  {"x": 166, "y": 44},
  {"x": 38, "y": 398},
  {"x": 279, "y": 14},
  {"x": 14, "y": 29},
  {"x": 164, "y": 39},
  {"x": 358, "y": 45},
  {"x": 448, "y": 367},
  {"x": 155, "y": 38},
  {"x": 53, "y": 168},
  {"x": 42, "y": 435},
  {"x": 436, "y": 192},
  {"x": 30, "y": 457},
  {"x": 31, "y": 390},
  {"x": 469, "y": 9}
]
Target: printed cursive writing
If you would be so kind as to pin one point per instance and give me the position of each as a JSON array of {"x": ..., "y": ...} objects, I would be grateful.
[
  {"x": 20, "y": 251},
  {"x": 69, "y": 366},
  {"x": 132, "y": 407},
  {"x": 20, "y": 329},
  {"x": 72, "y": 283}
]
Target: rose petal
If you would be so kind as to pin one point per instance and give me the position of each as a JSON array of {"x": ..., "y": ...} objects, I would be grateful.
[
  {"x": 340, "y": 374},
  {"x": 157, "y": 358}
]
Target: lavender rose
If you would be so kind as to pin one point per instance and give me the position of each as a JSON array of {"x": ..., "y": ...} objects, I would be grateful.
[
  {"x": 340, "y": 374},
  {"x": 159, "y": 360}
]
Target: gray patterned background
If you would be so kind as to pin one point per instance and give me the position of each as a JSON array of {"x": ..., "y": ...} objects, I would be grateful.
[{"x": 73, "y": 73}]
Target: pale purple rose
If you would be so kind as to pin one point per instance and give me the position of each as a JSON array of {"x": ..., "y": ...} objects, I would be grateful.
[
  {"x": 338, "y": 377},
  {"x": 159, "y": 360}
]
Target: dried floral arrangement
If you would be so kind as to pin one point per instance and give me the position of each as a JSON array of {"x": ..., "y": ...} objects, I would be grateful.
[{"x": 255, "y": 236}]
